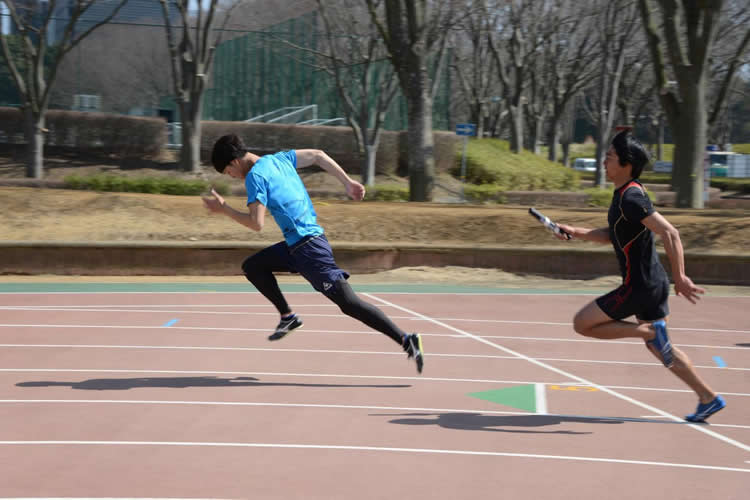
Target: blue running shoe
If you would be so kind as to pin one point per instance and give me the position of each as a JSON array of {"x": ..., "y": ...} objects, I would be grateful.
[
  {"x": 661, "y": 343},
  {"x": 706, "y": 410}
]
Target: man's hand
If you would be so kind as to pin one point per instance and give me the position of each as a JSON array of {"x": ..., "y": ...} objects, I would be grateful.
[
  {"x": 355, "y": 190},
  {"x": 568, "y": 229},
  {"x": 215, "y": 203},
  {"x": 684, "y": 286}
]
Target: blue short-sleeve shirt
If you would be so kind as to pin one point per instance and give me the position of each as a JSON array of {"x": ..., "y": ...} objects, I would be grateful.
[{"x": 273, "y": 181}]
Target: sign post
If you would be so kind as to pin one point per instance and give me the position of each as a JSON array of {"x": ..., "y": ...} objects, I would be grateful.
[
  {"x": 707, "y": 173},
  {"x": 466, "y": 130}
]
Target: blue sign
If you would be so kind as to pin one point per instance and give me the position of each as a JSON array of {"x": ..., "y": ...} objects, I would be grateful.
[{"x": 466, "y": 129}]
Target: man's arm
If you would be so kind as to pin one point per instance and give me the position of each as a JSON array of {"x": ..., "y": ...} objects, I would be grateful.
[
  {"x": 600, "y": 235},
  {"x": 254, "y": 218},
  {"x": 673, "y": 247},
  {"x": 309, "y": 157}
]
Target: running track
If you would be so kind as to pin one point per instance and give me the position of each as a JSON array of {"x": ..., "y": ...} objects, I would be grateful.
[{"x": 177, "y": 393}]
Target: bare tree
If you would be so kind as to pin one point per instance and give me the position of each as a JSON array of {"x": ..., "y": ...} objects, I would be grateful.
[
  {"x": 681, "y": 39},
  {"x": 574, "y": 61},
  {"x": 516, "y": 37},
  {"x": 191, "y": 61},
  {"x": 474, "y": 68},
  {"x": 730, "y": 54},
  {"x": 135, "y": 78},
  {"x": 357, "y": 61},
  {"x": 618, "y": 22},
  {"x": 32, "y": 21},
  {"x": 416, "y": 34}
]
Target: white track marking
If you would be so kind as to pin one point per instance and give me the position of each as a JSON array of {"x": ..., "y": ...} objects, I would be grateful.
[
  {"x": 345, "y": 351},
  {"x": 546, "y": 366},
  {"x": 339, "y": 376},
  {"x": 362, "y": 332},
  {"x": 372, "y": 448},
  {"x": 642, "y": 419},
  {"x": 278, "y": 374},
  {"x": 540, "y": 398},
  {"x": 156, "y": 308}
]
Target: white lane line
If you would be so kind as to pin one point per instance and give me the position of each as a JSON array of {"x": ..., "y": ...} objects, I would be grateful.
[
  {"x": 426, "y": 411},
  {"x": 540, "y": 398},
  {"x": 363, "y": 332},
  {"x": 105, "y": 498},
  {"x": 345, "y": 351},
  {"x": 342, "y": 376},
  {"x": 582, "y": 380},
  {"x": 373, "y": 448},
  {"x": 279, "y": 374},
  {"x": 319, "y": 315}
]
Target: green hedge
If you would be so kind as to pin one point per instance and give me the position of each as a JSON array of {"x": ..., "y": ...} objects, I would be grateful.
[
  {"x": 387, "y": 192},
  {"x": 153, "y": 185},
  {"x": 489, "y": 161}
]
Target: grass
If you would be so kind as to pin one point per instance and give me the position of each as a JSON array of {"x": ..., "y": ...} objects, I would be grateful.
[
  {"x": 490, "y": 161},
  {"x": 153, "y": 185}
]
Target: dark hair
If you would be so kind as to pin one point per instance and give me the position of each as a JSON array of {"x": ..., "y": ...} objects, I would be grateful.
[
  {"x": 227, "y": 149},
  {"x": 630, "y": 150}
]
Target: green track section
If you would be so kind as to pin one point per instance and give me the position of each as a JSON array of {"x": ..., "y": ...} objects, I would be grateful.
[
  {"x": 522, "y": 397},
  {"x": 98, "y": 287}
]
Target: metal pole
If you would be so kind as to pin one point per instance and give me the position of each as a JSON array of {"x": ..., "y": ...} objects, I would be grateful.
[{"x": 463, "y": 169}]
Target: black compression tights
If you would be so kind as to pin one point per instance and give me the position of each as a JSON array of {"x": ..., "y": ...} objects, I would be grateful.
[
  {"x": 340, "y": 294},
  {"x": 351, "y": 305}
]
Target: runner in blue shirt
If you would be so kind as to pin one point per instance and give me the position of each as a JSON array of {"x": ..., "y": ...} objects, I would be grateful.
[
  {"x": 645, "y": 286},
  {"x": 273, "y": 185}
]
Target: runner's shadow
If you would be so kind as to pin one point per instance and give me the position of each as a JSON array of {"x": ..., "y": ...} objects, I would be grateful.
[
  {"x": 120, "y": 384},
  {"x": 742, "y": 345},
  {"x": 496, "y": 423}
]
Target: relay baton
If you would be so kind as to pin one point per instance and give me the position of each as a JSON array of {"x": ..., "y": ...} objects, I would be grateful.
[{"x": 548, "y": 223}]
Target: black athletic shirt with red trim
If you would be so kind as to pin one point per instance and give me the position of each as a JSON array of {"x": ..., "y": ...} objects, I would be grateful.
[{"x": 633, "y": 242}]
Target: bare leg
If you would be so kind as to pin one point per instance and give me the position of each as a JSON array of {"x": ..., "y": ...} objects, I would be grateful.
[
  {"x": 591, "y": 321},
  {"x": 684, "y": 370}
]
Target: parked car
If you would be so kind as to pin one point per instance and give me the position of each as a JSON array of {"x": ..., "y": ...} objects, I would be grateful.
[
  {"x": 585, "y": 164},
  {"x": 662, "y": 167},
  {"x": 719, "y": 162}
]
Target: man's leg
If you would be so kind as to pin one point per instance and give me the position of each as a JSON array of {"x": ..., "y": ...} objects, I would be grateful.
[
  {"x": 350, "y": 304},
  {"x": 684, "y": 370},
  {"x": 591, "y": 321},
  {"x": 342, "y": 295},
  {"x": 259, "y": 269}
]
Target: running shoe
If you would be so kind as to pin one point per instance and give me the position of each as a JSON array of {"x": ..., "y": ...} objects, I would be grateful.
[
  {"x": 706, "y": 410},
  {"x": 413, "y": 348},
  {"x": 285, "y": 326},
  {"x": 661, "y": 343}
]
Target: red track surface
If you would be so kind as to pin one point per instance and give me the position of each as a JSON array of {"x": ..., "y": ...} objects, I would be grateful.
[{"x": 208, "y": 408}]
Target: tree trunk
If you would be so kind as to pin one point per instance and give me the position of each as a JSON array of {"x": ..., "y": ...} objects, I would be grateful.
[
  {"x": 516, "y": 131},
  {"x": 689, "y": 150},
  {"x": 565, "y": 153},
  {"x": 553, "y": 137},
  {"x": 421, "y": 148},
  {"x": 368, "y": 169},
  {"x": 34, "y": 134},
  {"x": 537, "y": 133},
  {"x": 190, "y": 154}
]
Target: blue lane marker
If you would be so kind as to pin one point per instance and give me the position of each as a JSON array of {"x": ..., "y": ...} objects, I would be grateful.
[
  {"x": 720, "y": 362},
  {"x": 170, "y": 322}
]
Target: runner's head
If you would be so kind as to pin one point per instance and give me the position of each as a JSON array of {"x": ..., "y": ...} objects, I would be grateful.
[
  {"x": 227, "y": 149},
  {"x": 630, "y": 150}
]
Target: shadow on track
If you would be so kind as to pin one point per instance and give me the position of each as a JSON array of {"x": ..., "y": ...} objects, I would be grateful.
[
  {"x": 120, "y": 384},
  {"x": 497, "y": 423}
]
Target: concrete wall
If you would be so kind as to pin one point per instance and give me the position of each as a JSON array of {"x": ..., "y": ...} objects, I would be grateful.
[{"x": 223, "y": 259}]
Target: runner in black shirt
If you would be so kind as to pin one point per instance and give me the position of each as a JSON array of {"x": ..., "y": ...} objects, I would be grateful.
[{"x": 645, "y": 286}]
